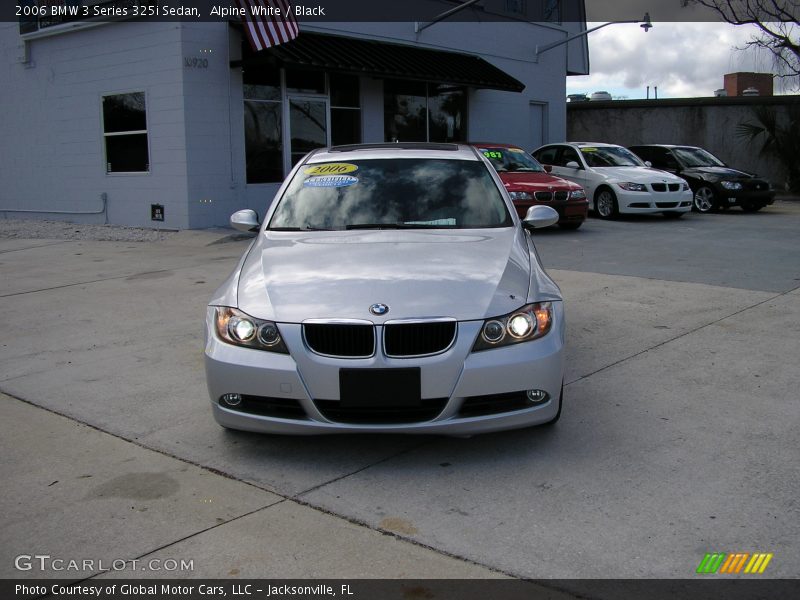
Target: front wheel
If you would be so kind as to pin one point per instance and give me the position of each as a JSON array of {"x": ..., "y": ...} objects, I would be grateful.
[
  {"x": 704, "y": 199},
  {"x": 605, "y": 204}
]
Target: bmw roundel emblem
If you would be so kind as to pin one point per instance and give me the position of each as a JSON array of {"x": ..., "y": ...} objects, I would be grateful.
[{"x": 379, "y": 309}]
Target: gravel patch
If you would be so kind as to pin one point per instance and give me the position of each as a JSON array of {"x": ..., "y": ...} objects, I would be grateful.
[{"x": 59, "y": 230}]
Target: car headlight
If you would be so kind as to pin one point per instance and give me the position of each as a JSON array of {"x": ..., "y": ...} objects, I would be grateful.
[
  {"x": 521, "y": 195},
  {"x": 240, "y": 329},
  {"x": 731, "y": 185},
  {"x": 528, "y": 323},
  {"x": 685, "y": 187},
  {"x": 577, "y": 195},
  {"x": 633, "y": 187}
]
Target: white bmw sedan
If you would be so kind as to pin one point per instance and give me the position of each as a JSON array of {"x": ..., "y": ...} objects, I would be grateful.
[
  {"x": 390, "y": 288},
  {"x": 616, "y": 180}
]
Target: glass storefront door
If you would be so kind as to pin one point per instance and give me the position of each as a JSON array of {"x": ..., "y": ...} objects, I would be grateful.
[{"x": 308, "y": 126}]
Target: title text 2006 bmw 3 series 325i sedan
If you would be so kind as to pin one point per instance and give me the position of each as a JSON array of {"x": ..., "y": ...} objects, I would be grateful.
[{"x": 391, "y": 288}]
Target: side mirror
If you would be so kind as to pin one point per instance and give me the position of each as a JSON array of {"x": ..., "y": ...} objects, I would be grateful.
[
  {"x": 548, "y": 168},
  {"x": 647, "y": 163},
  {"x": 572, "y": 165},
  {"x": 539, "y": 217},
  {"x": 245, "y": 220}
]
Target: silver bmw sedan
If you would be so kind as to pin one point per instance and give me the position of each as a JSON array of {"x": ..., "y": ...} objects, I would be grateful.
[{"x": 390, "y": 288}]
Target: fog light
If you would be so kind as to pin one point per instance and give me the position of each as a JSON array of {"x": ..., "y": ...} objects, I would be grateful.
[
  {"x": 231, "y": 399},
  {"x": 537, "y": 396}
]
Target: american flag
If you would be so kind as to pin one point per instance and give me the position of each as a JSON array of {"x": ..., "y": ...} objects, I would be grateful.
[{"x": 268, "y": 22}]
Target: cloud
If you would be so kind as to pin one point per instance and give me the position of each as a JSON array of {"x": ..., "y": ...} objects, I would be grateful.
[{"x": 682, "y": 59}]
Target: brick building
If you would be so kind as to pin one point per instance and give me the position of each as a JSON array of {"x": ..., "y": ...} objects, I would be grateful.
[{"x": 736, "y": 83}]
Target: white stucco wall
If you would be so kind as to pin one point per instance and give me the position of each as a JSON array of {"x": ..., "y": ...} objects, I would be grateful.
[
  {"x": 52, "y": 157},
  {"x": 52, "y": 153}
]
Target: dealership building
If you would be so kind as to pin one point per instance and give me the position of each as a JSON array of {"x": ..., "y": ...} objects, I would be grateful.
[{"x": 178, "y": 124}]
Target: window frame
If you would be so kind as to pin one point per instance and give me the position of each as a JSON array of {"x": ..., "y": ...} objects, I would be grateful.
[
  {"x": 465, "y": 90},
  {"x": 105, "y": 135},
  {"x": 286, "y": 97}
]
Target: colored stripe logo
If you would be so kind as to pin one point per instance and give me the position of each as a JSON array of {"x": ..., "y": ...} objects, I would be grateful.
[{"x": 734, "y": 563}]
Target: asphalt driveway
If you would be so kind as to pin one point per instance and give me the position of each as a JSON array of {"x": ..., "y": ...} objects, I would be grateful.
[{"x": 679, "y": 434}]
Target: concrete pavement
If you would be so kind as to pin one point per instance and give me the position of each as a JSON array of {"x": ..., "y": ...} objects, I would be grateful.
[{"x": 679, "y": 435}]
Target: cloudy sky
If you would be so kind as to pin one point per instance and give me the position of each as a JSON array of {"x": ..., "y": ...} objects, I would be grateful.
[{"x": 682, "y": 59}]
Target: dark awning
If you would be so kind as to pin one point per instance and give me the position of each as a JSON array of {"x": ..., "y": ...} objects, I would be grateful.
[{"x": 379, "y": 59}]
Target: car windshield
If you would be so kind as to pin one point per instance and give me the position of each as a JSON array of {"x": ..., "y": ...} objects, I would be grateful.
[
  {"x": 511, "y": 159},
  {"x": 697, "y": 157},
  {"x": 399, "y": 193},
  {"x": 609, "y": 156}
]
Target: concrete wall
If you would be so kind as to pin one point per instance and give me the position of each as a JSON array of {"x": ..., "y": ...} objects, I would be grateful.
[
  {"x": 52, "y": 152},
  {"x": 706, "y": 122}
]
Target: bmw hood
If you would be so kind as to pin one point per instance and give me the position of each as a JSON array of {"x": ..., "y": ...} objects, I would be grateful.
[
  {"x": 466, "y": 274},
  {"x": 719, "y": 173},
  {"x": 640, "y": 175},
  {"x": 534, "y": 182}
]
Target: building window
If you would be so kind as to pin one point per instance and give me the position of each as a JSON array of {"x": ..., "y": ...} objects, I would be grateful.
[
  {"x": 420, "y": 112},
  {"x": 272, "y": 137},
  {"x": 447, "y": 113},
  {"x": 125, "y": 133},
  {"x": 263, "y": 130},
  {"x": 519, "y": 7},
  {"x": 345, "y": 109},
  {"x": 552, "y": 11}
]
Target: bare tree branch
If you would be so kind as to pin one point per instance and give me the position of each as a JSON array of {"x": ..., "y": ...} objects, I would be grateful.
[{"x": 778, "y": 24}]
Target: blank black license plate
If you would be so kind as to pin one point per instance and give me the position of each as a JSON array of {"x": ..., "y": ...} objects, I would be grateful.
[{"x": 379, "y": 387}]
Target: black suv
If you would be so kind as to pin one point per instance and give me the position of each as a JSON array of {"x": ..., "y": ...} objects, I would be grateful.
[{"x": 713, "y": 183}]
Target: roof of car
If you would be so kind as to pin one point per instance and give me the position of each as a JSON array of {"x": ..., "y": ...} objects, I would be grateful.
[
  {"x": 394, "y": 150},
  {"x": 493, "y": 145},
  {"x": 662, "y": 146},
  {"x": 592, "y": 144}
]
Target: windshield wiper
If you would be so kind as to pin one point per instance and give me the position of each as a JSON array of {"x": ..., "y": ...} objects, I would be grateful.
[
  {"x": 378, "y": 226},
  {"x": 410, "y": 225},
  {"x": 304, "y": 228}
]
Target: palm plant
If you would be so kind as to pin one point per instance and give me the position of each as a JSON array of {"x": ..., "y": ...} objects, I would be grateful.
[{"x": 779, "y": 138}]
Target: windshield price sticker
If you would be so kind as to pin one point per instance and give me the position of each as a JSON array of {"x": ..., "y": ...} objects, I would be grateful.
[
  {"x": 588, "y": 149},
  {"x": 330, "y": 181},
  {"x": 331, "y": 169},
  {"x": 492, "y": 154}
]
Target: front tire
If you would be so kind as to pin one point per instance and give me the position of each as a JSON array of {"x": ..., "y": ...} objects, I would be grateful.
[
  {"x": 705, "y": 200},
  {"x": 605, "y": 204}
]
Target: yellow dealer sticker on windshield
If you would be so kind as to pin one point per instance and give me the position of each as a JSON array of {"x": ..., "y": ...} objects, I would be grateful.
[
  {"x": 331, "y": 169},
  {"x": 588, "y": 149}
]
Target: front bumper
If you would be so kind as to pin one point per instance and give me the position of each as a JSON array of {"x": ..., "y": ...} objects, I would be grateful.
[
  {"x": 303, "y": 378},
  {"x": 569, "y": 211},
  {"x": 740, "y": 197},
  {"x": 653, "y": 202}
]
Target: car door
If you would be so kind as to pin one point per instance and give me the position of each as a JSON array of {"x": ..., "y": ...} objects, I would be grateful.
[
  {"x": 553, "y": 156},
  {"x": 570, "y": 156},
  {"x": 671, "y": 164},
  {"x": 662, "y": 158},
  {"x": 547, "y": 155}
]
